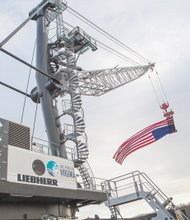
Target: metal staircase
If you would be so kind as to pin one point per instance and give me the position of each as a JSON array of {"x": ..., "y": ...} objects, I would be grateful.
[
  {"x": 62, "y": 60},
  {"x": 136, "y": 186},
  {"x": 87, "y": 176}
]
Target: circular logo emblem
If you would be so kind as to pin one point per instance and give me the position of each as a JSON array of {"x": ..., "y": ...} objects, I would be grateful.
[
  {"x": 38, "y": 167},
  {"x": 52, "y": 168}
]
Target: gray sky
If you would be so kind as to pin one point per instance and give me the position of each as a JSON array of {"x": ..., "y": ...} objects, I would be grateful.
[{"x": 160, "y": 30}]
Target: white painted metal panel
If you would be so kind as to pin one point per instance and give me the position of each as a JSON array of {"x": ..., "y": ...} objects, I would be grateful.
[{"x": 27, "y": 167}]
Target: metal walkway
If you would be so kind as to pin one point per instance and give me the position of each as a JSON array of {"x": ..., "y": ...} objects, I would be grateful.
[{"x": 136, "y": 186}]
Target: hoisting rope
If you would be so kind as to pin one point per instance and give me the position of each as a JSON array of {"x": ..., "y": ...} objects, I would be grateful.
[
  {"x": 28, "y": 81},
  {"x": 156, "y": 95},
  {"x": 161, "y": 86},
  {"x": 161, "y": 94},
  {"x": 159, "y": 89}
]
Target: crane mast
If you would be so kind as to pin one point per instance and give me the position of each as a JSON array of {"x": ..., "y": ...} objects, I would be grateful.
[
  {"x": 58, "y": 59},
  {"x": 48, "y": 105}
]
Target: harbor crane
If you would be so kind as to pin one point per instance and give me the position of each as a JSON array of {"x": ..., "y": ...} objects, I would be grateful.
[{"x": 38, "y": 182}]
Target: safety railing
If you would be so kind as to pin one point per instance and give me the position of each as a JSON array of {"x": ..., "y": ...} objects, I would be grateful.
[
  {"x": 41, "y": 146},
  {"x": 133, "y": 182}
]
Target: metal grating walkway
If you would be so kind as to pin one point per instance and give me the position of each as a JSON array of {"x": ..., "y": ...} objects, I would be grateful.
[{"x": 136, "y": 186}]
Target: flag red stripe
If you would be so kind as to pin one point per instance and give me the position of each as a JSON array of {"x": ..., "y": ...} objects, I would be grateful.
[
  {"x": 140, "y": 135},
  {"x": 146, "y": 130},
  {"x": 135, "y": 150},
  {"x": 136, "y": 142},
  {"x": 139, "y": 140},
  {"x": 144, "y": 142},
  {"x": 122, "y": 157}
]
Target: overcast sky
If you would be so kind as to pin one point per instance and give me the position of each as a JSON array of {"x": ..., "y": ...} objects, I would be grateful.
[{"x": 160, "y": 31}]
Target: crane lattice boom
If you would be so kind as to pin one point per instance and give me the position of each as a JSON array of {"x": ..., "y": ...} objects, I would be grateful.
[{"x": 99, "y": 82}]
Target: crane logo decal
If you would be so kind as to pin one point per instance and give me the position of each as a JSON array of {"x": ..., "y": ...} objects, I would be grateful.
[{"x": 52, "y": 168}]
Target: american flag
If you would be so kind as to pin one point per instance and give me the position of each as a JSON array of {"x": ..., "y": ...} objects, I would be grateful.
[{"x": 145, "y": 137}]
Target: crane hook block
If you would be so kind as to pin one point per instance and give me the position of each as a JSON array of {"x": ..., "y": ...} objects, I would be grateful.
[{"x": 164, "y": 106}]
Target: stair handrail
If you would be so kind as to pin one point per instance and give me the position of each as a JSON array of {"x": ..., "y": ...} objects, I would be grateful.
[
  {"x": 155, "y": 187},
  {"x": 140, "y": 182},
  {"x": 112, "y": 187},
  {"x": 91, "y": 174}
]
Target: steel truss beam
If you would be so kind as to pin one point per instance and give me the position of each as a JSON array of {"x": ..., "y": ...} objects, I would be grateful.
[{"x": 99, "y": 82}]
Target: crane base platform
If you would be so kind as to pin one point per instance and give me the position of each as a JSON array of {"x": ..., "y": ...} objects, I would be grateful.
[{"x": 22, "y": 201}]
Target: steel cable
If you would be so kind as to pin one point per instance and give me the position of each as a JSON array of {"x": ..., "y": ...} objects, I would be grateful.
[
  {"x": 106, "y": 34},
  {"x": 27, "y": 85}
]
